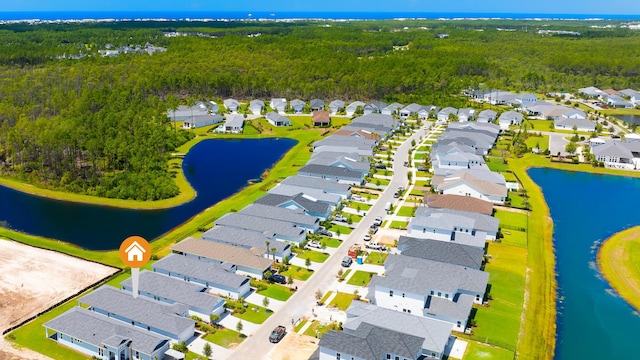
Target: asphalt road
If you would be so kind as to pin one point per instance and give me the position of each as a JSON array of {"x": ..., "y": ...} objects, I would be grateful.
[{"x": 302, "y": 301}]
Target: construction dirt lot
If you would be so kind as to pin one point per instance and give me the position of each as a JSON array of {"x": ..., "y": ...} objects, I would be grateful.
[
  {"x": 294, "y": 347},
  {"x": 33, "y": 279}
]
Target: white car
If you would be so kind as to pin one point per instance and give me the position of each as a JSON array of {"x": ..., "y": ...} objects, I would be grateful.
[
  {"x": 377, "y": 221},
  {"x": 367, "y": 237}
]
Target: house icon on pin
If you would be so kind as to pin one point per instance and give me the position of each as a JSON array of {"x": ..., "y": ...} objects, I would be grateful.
[{"x": 135, "y": 252}]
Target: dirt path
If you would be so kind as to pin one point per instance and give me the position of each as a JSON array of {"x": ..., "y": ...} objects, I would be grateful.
[
  {"x": 7, "y": 352},
  {"x": 615, "y": 264}
]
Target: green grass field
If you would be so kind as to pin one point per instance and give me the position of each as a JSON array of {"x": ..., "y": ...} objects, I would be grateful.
[
  {"x": 341, "y": 229},
  {"x": 341, "y": 301},
  {"x": 360, "y": 278},
  {"x": 496, "y": 164},
  {"x": 376, "y": 257},
  {"x": 541, "y": 125},
  {"x": 313, "y": 255},
  {"x": 541, "y": 142},
  {"x": 406, "y": 211},
  {"x": 225, "y": 337},
  {"x": 298, "y": 273},
  {"x": 480, "y": 351},
  {"x": 510, "y": 219},
  {"x": 255, "y": 314},
  {"x": 331, "y": 242},
  {"x": 277, "y": 291},
  {"x": 398, "y": 224},
  {"x": 317, "y": 329}
]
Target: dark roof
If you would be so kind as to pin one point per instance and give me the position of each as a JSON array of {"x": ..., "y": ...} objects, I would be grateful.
[
  {"x": 316, "y": 183},
  {"x": 261, "y": 224},
  {"x": 96, "y": 329},
  {"x": 311, "y": 206},
  {"x": 201, "y": 270},
  {"x": 372, "y": 342},
  {"x": 442, "y": 251},
  {"x": 223, "y": 253},
  {"x": 331, "y": 171},
  {"x": 290, "y": 215}
]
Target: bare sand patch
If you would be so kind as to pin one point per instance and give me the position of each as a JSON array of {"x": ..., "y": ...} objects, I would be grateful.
[
  {"x": 33, "y": 279},
  {"x": 294, "y": 346}
]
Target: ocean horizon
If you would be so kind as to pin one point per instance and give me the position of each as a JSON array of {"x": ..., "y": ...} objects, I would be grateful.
[{"x": 53, "y": 16}]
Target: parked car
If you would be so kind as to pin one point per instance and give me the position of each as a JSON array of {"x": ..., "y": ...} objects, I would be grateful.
[
  {"x": 373, "y": 229},
  {"x": 381, "y": 166},
  {"x": 277, "y": 334},
  {"x": 396, "y": 195},
  {"x": 347, "y": 261},
  {"x": 314, "y": 244},
  {"x": 357, "y": 198},
  {"x": 340, "y": 217},
  {"x": 375, "y": 246},
  {"x": 325, "y": 232},
  {"x": 277, "y": 278},
  {"x": 377, "y": 221},
  {"x": 367, "y": 237}
]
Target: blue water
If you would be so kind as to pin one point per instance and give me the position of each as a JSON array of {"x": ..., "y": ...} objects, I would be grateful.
[
  {"x": 245, "y": 15},
  {"x": 214, "y": 168},
  {"x": 593, "y": 322}
]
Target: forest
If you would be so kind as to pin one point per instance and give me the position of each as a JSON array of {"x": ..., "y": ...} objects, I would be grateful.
[{"x": 97, "y": 125}]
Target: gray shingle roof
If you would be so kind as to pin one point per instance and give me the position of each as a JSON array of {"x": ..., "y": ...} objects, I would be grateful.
[
  {"x": 200, "y": 269},
  {"x": 96, "y": 329},
  {"x": 176, "y": 290},
  {"x": 442, "y": 251},
  {"x": 613, "y": 148},
  {"x": 316, "y": 104},
  {"x": 372, "y": 342},
  {"x": 419, "y": 276},
  {"x": 486, "y": 187},
  {"x": 351, "y": 161},
  {"x": 459, "y": 308},
  {"x": 224, "y": 253},
  {"x": 336, "y": 105},
  {"x": 327, "y": 170},
  {"x": 481, "y": 222},
  {"x": 244, "y": 238},
  {"x": 311, "y": 193},
  {"x": 315, "y": 207},
  {"x": 440, "y": 220},
  {"x": 487, "y": 128},
  {"x": 434, "y": 333},
  {"x": 234, "y": 120},
  {"x": 277, "y": 118},
  {"x": 350, "y": 141},
  {"x": 260, "y": 224},
  {"x": 317, "y": 183},
  {"x": 268, "y": 212},
  {"x": 384, "y": 120},
  {"x": 147, "y": 312}
]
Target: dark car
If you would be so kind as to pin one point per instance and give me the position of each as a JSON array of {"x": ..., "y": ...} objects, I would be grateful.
[
  {"x": 381, "y": 166},
  {"x": 325, "y": 232},
  {"x": 277, "y": 334},
  {"x": 277, "y": 278}
]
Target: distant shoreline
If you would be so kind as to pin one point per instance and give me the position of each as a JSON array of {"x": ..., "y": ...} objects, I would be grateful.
[{"x": 210, "y": 16}]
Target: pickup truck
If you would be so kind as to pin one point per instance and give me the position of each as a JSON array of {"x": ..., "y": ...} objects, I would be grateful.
[{"x": 277, "y": 334}]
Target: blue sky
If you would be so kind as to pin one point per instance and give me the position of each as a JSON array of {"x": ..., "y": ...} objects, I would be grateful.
[{"x": 630, "y": 7}]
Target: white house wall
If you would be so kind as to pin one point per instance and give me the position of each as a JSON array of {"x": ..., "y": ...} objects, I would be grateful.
[
  {"x": 429, "y": 233},
  {"x": 409, "y": 303},
  {"x": 466, "y": 190},
  {"x": 328, "y": 354}
]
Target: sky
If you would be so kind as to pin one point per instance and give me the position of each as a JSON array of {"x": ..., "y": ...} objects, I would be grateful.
[{"x": 627, "y": 7}]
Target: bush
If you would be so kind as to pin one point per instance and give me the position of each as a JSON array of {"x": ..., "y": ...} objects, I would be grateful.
[{"x": 257, "y": 285}]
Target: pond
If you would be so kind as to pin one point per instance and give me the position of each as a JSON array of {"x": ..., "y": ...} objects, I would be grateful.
[
  {"x": 216, "y": 169},
  {"x": 631, "y": 119},
  {"x": 592, "y": 321}
]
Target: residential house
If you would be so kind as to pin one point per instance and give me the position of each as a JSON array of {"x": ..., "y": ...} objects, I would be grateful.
[
  {"x": 444, "y": 227},
  {"x": 247, "y": 262},
  {"x": 202, "y": 121},
  {"x": 280, "y": 230},
  {"x": 456, "y": 221},
  {"x": 104, "y": 338},
  {"x": 455, "y": 156},
  {"x": 617, "y": 101},
  {"x": 345, "y": 144},
  {"x": 299, "y": 201},
  {"x": 184, "y": 113},
  {"x": 445, "y": 114},
  {"x": 171, "y": 290},
  {"x": 481, "y": 141},
  {"x": 359, "y": 133},
  {"x": 276, "y": 119},
  {"x": 321, "y": 118},
  {"x": 351, "y": 162},
  {"x": 485, "y": 128},
  {"x": 509, "y": 118},
  {"x": 218, "y": 278},
  {"x": 442, "y": 251},
  {"x": 234, "y": 124},
  {"x": 298, "y": 218},
  {"x": 353, "y": 107},
  {"x": 154, "y": 316},
  {"x": 466, "y": 114},
  {"x": 316, "y": 104},
  {"x": 591, "y": 92},
  {"x": 370, "y": 108},
  {"x": 336, "y": 106},
  {"x": 256, "y": 106},
  {"x": 410, "y": 110},
  {"x": 279, "y": 105},
  {"x": 297, "y": 105},
  {"x": 232, "y": 105},
  {"x": 526, "y": 98},
  {"x": 579, "y": 124},
  {"x": 466, "y": 183},
  {"x": 428, "y": 288},
  {"x": 372, "y": 332},
  {"x": 316, "y": 195},
  {"x": 379, "y": 120},
  {"x": 340, "y": 174},
  {"x": 486, "y": 116},
  {"x": 328, "y": 186},
  {"x": 618, "y": 154},
  {"x": 392, "y": 109},
  {"x": 458, "y": 202},
  {"x": 250, "y": 240},
  {"x": 632, "y": 95}
]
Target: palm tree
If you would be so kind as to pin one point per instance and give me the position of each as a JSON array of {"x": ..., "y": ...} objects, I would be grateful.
[{"x": 273, "y": 251}]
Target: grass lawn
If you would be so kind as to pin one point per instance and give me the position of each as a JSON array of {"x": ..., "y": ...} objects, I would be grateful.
[
  {"x": 277, "y": 291},
  {"x": 517, "y": 200},
  {"x": 383, "y": 182},
  {"x": 318, "y": 328},
  {"x": 480, "y": 351},
  {"x": 360, "y": 278},
  {"x": 500, "y": 321},
  {"x": 541, "y": 143},
  {"x": 300, "y": 325},
  {"x": 496, "y": 164},
  {"x": 354, "y": 218},
  {"x": 345, "y": 274},
  {"x": 398, "y": 225},
  {"x": 325, "y": 297},
  {"x": 423, "y": 174},
  {"x": 331, "y": 242},
  {"x": 619, "y": 262},
  {"x": 255, "y": 314},
  {"x": 406, "y": 211},
  {"x": 509, "y": 177},
  {"x": 313, "y": 255},
  {"x": 343, "y": 229},
  {"x": 341, "y": 301},
  {"x": 376, "y": 257},
  {"x": 514, "y": 237},
  {"x": 422, "y": 183},
  {"x": 225, "y": 337},
  {"x": 512, "y": 220},
  {"x": 541, "y": 125},
  {"x": 299, "y": 273},
  {"x": 419, "y": 156}
]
